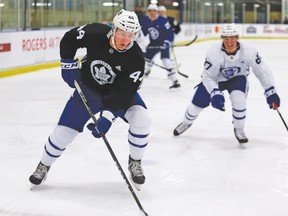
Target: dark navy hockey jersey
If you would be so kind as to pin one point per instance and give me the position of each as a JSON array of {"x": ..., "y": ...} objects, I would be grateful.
[
  {"x": 116, "y": 76},
  {"x": 158, "y": 30}
]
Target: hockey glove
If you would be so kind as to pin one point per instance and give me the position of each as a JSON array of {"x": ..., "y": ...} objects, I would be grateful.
[
  {"x": 103, "y": 124},
  {"x": 166, "y": 44},
  {"x": 70, "y": 71},
  {"x": 272, "y": 98},
  {"x": 217, "y": 99}
]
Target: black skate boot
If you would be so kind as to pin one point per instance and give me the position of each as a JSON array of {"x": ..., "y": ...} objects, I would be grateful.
[
  {"x": 241, "y": 137},
  {"x": 136, "y": 172},
  {"x": 181, "y": 128},
  {"x": 175, "y": 85},
  {"x": 39, "y": 174},
  {"x": 147, "y": 72}
]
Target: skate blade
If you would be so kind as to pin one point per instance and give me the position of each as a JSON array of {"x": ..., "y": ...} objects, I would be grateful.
[
  {"x": 32, "y": 186},
  {"x": 137, "y": 186},
  {"x": 242, "y": 145},
  {"x": 175, "y": 89}
]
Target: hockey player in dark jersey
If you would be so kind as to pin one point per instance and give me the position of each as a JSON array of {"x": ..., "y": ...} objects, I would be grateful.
[
  {"x": 161, "y": 37},
  {"x": 110, "y": 75},
  {"x": 172, "y": 21}
]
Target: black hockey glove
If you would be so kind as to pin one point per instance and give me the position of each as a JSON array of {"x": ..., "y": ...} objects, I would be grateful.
[
  {"x": 217, "y": 99},
  {"x": 103, "y": 124},
  {"x": 70, "y": 71},
  {"x": 272, "y": 98}
]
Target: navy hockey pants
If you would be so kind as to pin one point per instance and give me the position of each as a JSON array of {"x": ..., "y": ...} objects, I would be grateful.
[
  {"x": 150, "y": 53},
  {"x": 202, "y": 98},
  {"x": 75, "y": 114}
]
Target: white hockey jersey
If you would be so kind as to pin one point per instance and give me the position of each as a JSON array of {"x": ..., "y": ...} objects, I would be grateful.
[{"x": 219, "y": 66}]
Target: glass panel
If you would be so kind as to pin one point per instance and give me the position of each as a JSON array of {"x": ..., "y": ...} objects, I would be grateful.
[
  {"x": 8, "y": 15},
  {"x": 18, "y": 15}
]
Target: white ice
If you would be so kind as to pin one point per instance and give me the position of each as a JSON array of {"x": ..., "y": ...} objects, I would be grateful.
[{"x": 200, "y": 173}]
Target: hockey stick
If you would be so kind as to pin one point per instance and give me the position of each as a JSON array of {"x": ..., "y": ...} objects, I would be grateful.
[
  {"x": 109, "y": 147},
  {"x": 175, "y": 60},
  {"x": 276, "y": 108},
  {"x": 182, "y": 74},
  {"x": 179, "y": 44}
]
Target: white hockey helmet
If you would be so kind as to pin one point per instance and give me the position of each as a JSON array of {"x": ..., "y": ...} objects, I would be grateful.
[
  {"x": 161, "y": 8},
  {"x": 228, "y": 30},
  {"x": 152, "y": 7},
  {"x": 127, "y": 21}
]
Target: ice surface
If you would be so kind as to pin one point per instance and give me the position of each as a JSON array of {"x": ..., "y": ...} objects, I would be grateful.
[{"x": 200, "y": 173}]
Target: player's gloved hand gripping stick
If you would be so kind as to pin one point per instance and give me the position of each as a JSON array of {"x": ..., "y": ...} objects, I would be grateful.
[{"x": 70, "y": 71}]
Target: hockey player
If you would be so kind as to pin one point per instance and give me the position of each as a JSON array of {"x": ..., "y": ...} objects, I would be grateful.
[
  {"x": 172, "y": 21},
  {"x": 110, "y": 76},
  {"x": 227, "y": 67},
  {"x": 161, "y": 35},
  {"x": 175, "y": 27}
]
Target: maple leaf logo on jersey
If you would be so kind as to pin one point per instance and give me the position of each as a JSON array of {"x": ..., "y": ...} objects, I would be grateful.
[
  {"x": 154, "y": 33},
  {"x": 102, "y": 72},
  {"x": 230, "y": 72}
]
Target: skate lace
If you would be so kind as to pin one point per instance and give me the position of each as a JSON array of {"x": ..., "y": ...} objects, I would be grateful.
[
  {"x": 182, "y": 127},
  {"x": 135, "y": 168},
  {"x": 40, "y": 172}
]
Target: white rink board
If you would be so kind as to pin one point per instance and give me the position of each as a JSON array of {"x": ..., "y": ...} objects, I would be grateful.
[{"x": 37, "y": 47}]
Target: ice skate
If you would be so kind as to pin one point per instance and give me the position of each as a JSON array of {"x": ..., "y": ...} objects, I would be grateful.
[
  {"x": 136, "y": 173},
  {"x": 241, "y": 137},
  {"x": 181, "y": 128},
  {"x": 147, "y": 73},
  {"x": 175, "y": 85},
  {"x": 39, "y": 175}
]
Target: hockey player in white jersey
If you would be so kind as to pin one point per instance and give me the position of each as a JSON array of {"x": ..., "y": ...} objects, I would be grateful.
[{"x": 227, "y": 67}]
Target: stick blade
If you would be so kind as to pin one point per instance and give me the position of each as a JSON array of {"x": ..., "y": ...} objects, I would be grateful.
[{"x": 185, "y": 43}]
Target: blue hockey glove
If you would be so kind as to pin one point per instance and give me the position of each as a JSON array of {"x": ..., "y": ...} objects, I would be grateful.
[
  {"x": 272, "y": 98},
  {"x": 166, "y": 44},
  {"x": 217, "y": 99},
  {"x": 70, "y": 71},
  {"x": 103, "y": 124}
]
